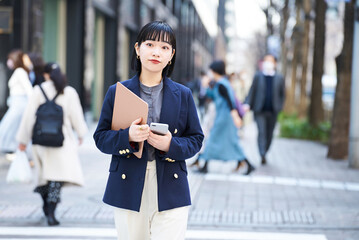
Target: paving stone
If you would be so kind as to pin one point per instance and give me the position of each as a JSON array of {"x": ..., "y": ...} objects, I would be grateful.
[{"x": 299, "y": 189}]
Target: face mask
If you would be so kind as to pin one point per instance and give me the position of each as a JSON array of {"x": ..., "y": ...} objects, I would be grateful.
[
  {"x": 10, "y": 64},
  {"x": 268, "y": 66}
]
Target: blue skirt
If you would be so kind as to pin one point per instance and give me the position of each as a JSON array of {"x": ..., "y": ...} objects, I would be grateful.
[
  {"x": 223, "y": 141},
  {"x": 10, "y": 123}
]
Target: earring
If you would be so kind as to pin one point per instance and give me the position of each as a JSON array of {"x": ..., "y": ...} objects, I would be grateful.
[
  {"x": 170, "y": 62},
  {"x": 138, "y": 57}
]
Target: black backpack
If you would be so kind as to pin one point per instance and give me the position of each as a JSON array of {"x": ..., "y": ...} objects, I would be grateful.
[{"x": 48, "y": 126}]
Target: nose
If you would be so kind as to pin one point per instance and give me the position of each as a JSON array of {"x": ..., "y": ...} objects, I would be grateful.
[{"x": 156, "y": 52}]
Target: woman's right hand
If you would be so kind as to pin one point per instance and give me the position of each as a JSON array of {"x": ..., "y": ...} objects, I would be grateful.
[
  {"x": 138, "y": 132},
  {"x": 236, "y": 118}
]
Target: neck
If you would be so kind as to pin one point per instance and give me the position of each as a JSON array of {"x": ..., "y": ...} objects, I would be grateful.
[
  {"x": 217, "y": 77},
  {"x": 150, "y": 79}
]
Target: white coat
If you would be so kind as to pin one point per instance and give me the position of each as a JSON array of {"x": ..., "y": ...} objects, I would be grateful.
[{"x": 56, "y": 163}]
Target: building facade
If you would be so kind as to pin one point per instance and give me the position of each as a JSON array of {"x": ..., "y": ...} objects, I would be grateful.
[{"x": 93, "y": 40}]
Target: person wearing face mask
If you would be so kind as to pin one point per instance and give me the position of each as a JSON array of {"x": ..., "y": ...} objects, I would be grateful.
[
  {"x": 266, "y": 99},
  {"x": 20, "y": 90}
]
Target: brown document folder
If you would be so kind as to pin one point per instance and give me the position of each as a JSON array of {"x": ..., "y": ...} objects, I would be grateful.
[{"x": 127, "y": 108}]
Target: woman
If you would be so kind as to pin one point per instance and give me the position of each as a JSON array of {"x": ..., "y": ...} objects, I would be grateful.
[
  {"x": 56, "y": 166},
  {"x": 223, "y": 141},
  {"x": 20, "y": 90},
  {"x": 151, "y": 194}
]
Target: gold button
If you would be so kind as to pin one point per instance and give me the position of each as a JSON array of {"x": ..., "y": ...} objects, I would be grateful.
[
  {"x": 167, "y": 159},
  {"x": 123, "y": 176},
  {"x": 175, "y": 175},
  {"x": 128, "y": 156},
  {"x": 127, "y": 150},
  {"x": 175, "y": 131},
  {"x": 120, "y": 151}
]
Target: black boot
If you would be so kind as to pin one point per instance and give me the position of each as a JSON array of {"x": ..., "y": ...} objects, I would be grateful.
[
  {"x": 51, "y": 220},
  {"x": 45, "y": 205},
  {"x": 264, "y": 160},
  {"x": 204, "y": 169},
  {"x": 250, "y": 167}
]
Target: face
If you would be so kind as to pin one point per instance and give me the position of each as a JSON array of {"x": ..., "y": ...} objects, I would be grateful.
[
  {"x": 10, "y": 64},
  {"x": 154, "y": 55}
]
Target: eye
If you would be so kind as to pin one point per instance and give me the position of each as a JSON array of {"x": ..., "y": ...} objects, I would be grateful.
[
  {"x": 149, "y": 44},
  {"x": 165, "y": 47}
]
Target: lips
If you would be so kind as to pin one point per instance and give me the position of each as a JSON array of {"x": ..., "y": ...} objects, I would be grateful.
[{"x": 154, "y": 61}]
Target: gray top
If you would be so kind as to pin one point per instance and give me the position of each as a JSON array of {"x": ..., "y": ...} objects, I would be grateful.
[{"x": 153, "y": 97}]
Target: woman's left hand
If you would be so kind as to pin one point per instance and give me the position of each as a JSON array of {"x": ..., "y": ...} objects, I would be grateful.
[
  {"x": 160, "y": 142},
  {"x": 22, "y": 147}
]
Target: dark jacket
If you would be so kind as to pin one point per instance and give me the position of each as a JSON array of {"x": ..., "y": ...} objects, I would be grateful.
[
  {"x": 127, "y": 172},
  {"x": 257, "y": 93}
]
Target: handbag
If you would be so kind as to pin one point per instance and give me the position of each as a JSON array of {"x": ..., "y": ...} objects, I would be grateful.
[
  {"x": 20, "y": 170},
  {"x": 239, "y": 107}
]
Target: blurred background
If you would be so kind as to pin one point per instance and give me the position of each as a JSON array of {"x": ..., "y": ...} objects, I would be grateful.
[{"x": 316, "y": 44}]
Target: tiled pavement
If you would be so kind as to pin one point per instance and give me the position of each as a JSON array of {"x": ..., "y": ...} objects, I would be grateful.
[{"x": 299, "y": 191}]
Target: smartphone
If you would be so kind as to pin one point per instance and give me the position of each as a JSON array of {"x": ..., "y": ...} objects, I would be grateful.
[{"x": 159, "y": 128}]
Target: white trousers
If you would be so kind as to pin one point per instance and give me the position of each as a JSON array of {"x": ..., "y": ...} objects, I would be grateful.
[{"x": 149, "y": 223}]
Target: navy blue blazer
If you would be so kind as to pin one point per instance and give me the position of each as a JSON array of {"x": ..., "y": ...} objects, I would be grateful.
[{"x": 127, "y": 172}]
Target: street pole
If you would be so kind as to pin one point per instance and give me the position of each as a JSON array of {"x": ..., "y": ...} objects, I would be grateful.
[{"x": 354, "y": 111}]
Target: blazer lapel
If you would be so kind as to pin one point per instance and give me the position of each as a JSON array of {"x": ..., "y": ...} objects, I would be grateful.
[{"x": 170, "y": 104}]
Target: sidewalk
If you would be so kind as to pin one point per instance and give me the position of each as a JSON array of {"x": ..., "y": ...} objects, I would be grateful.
[{"x": 298, "y": 191}]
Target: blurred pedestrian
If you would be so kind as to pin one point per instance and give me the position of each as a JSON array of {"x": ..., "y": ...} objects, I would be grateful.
[
  {"x": 202, "y": 98},
  {"x": 266, "y": 99},
  {"x": 20, "y": 90},
  {"x": 223, "y": 141},
  {"x": 56, "y": 166},
  {"x": 38, "y": 68},
  {"x": 236, "y": 89},
  {"x": 238, "y": 83},
  {"x": 151, "y": 194}
]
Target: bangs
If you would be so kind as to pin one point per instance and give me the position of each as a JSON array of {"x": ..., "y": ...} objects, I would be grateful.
[
  {"x": 160, "y": 36},
  {"x": 157, "y": 31}
]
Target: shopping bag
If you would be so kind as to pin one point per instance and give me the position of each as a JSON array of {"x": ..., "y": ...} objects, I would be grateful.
[{"x": 20, "y": 170}]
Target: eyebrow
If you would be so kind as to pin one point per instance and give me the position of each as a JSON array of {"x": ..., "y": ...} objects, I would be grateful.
[{"x": 159, "y": 41}]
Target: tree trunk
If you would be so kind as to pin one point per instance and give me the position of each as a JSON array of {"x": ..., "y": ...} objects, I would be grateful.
[
  {"x": 316, "y": 113},
  {"x": 290, "y": 103},
  {"x": 305, "y": 51},
  {"x": 339, "y": 136},
  {"x": 285, "y": 16}
]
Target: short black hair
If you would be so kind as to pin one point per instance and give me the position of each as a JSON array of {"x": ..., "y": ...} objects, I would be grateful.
[
  {"x": 218, "y": 67},
  {"x": 272, "y": 55},
  {"x": 155, "y": 31}
]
